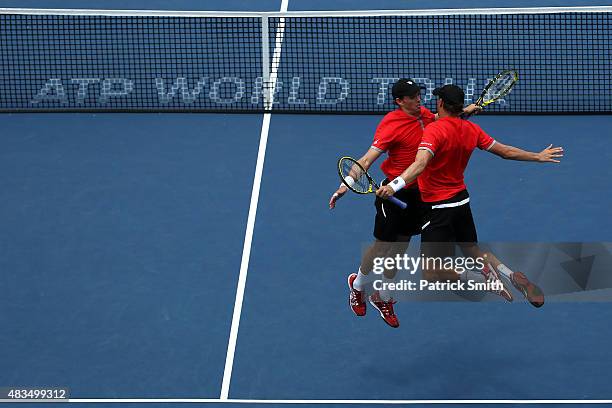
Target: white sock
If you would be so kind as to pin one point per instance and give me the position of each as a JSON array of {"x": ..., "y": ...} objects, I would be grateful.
[
  {"x": 504, "y": 270},
  {"x": 362, "y": 280},
  {"x": 470, "y": 275}
]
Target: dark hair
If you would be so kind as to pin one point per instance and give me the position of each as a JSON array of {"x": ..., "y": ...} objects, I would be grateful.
[{"x": 453, "y": 109}]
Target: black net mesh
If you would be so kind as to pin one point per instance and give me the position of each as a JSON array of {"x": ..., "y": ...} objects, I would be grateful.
[{"x": 323, "y": 64}]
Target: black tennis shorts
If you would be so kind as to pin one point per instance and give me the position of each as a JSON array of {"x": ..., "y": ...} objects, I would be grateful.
[
  {"x": 449, "y": 220},
  {"x": 393, "y": 224}
]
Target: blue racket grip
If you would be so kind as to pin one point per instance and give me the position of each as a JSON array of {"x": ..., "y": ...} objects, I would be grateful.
[{"x": 399, "y": 203}]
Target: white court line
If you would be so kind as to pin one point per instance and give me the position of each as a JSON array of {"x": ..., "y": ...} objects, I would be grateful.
[
  {"x": 244, "y": 264},
  {"x": 248, "y": 237},
  {"x": 329, "y": 402},
  {"x": 325, "y": 13}
]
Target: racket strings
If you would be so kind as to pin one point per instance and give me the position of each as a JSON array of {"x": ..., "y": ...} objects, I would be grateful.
[
  {"x": 354, "y": 170},
  {"x": 500, "y": 87}
]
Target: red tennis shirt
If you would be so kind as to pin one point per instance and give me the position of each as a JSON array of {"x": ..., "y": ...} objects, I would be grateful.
[
  {"x": 399, "y": 134},
  {"x": 451, "y": 141}
]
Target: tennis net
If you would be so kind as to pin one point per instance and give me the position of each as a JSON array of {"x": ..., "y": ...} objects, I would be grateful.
[{"x": 300, "y": 62}]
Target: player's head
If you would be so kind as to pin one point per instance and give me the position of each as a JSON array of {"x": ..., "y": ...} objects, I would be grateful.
[
  {"x": 406, "y": 94},
  {"x": 450, "y": 98}
]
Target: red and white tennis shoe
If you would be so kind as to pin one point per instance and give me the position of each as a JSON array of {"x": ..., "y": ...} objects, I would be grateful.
[
  {"x": 532, "y": 293},
  {"x": 356, "y": 297},
  {"x": 385, "y": 309},
  {"x": 492, "y": 275}
]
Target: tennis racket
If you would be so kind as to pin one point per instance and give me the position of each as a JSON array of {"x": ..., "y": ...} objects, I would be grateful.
[
  {"x": 497, "y": 88},
  {"x": 357, "y": 179}
]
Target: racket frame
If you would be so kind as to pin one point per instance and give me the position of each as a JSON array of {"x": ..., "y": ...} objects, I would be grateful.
[
  {"x": 492, "y": 82},
  {"x": 373, "y": 185}
]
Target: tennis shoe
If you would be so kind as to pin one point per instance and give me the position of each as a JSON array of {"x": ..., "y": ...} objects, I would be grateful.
[
  {"x": 385, "y": 309},
  {"x": 491, "y": 275},
  {"x": 532, "y": 293},
  {"x": 358, "y": 305}
]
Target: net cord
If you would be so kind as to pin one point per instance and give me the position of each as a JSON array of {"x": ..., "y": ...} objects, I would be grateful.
[{"x": 289, "y": 14}]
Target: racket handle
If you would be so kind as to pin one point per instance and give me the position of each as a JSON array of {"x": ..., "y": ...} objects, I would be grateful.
[{"x": 399, "y": 203}]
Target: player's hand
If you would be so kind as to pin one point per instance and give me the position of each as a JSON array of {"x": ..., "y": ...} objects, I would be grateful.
[
  {"x": 550, "y": 154},
  {"x": 336, "y": 196},
  {"x": 472, "y": 109},
  {"x": 385, "y": 191}
]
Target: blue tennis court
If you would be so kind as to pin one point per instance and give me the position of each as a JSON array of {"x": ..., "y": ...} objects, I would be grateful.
[{"x": 145, "y": 254}]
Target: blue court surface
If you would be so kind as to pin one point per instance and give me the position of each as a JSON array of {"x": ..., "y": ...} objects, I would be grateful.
[{"x": 123, "y": 235}]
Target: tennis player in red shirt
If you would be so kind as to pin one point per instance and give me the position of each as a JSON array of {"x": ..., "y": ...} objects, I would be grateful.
[
  {"x": 398, "y": 134},
  {"x": 442, "y": 158}
]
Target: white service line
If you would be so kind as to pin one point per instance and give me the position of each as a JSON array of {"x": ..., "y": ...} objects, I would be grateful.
[{"x": 248, "y": 237}]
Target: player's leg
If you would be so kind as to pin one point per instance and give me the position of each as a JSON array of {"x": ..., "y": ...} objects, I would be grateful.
[
  {"x": 437, "y": 243},
  {"x": 448, "y": 225},
  {"x": 392, "y": 230},
  {"x": 519, "y": 280},
  {"x": 468, "y": 242},
  {"x": 495, "y": 269},
  {"x": 387, "y": 234},
  {"x": 360, "y": 283}
]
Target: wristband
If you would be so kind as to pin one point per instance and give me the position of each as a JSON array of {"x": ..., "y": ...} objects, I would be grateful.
[
  {"x": 397, "y": 184},
  {"x": 349, "y": 181}
]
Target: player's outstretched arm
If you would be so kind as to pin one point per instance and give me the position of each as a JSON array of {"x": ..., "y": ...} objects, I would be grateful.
[
  {"x": 366, "y": 161},
  {"x": 548, "y": 155},
  {"x": 337, "y": 195}
]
